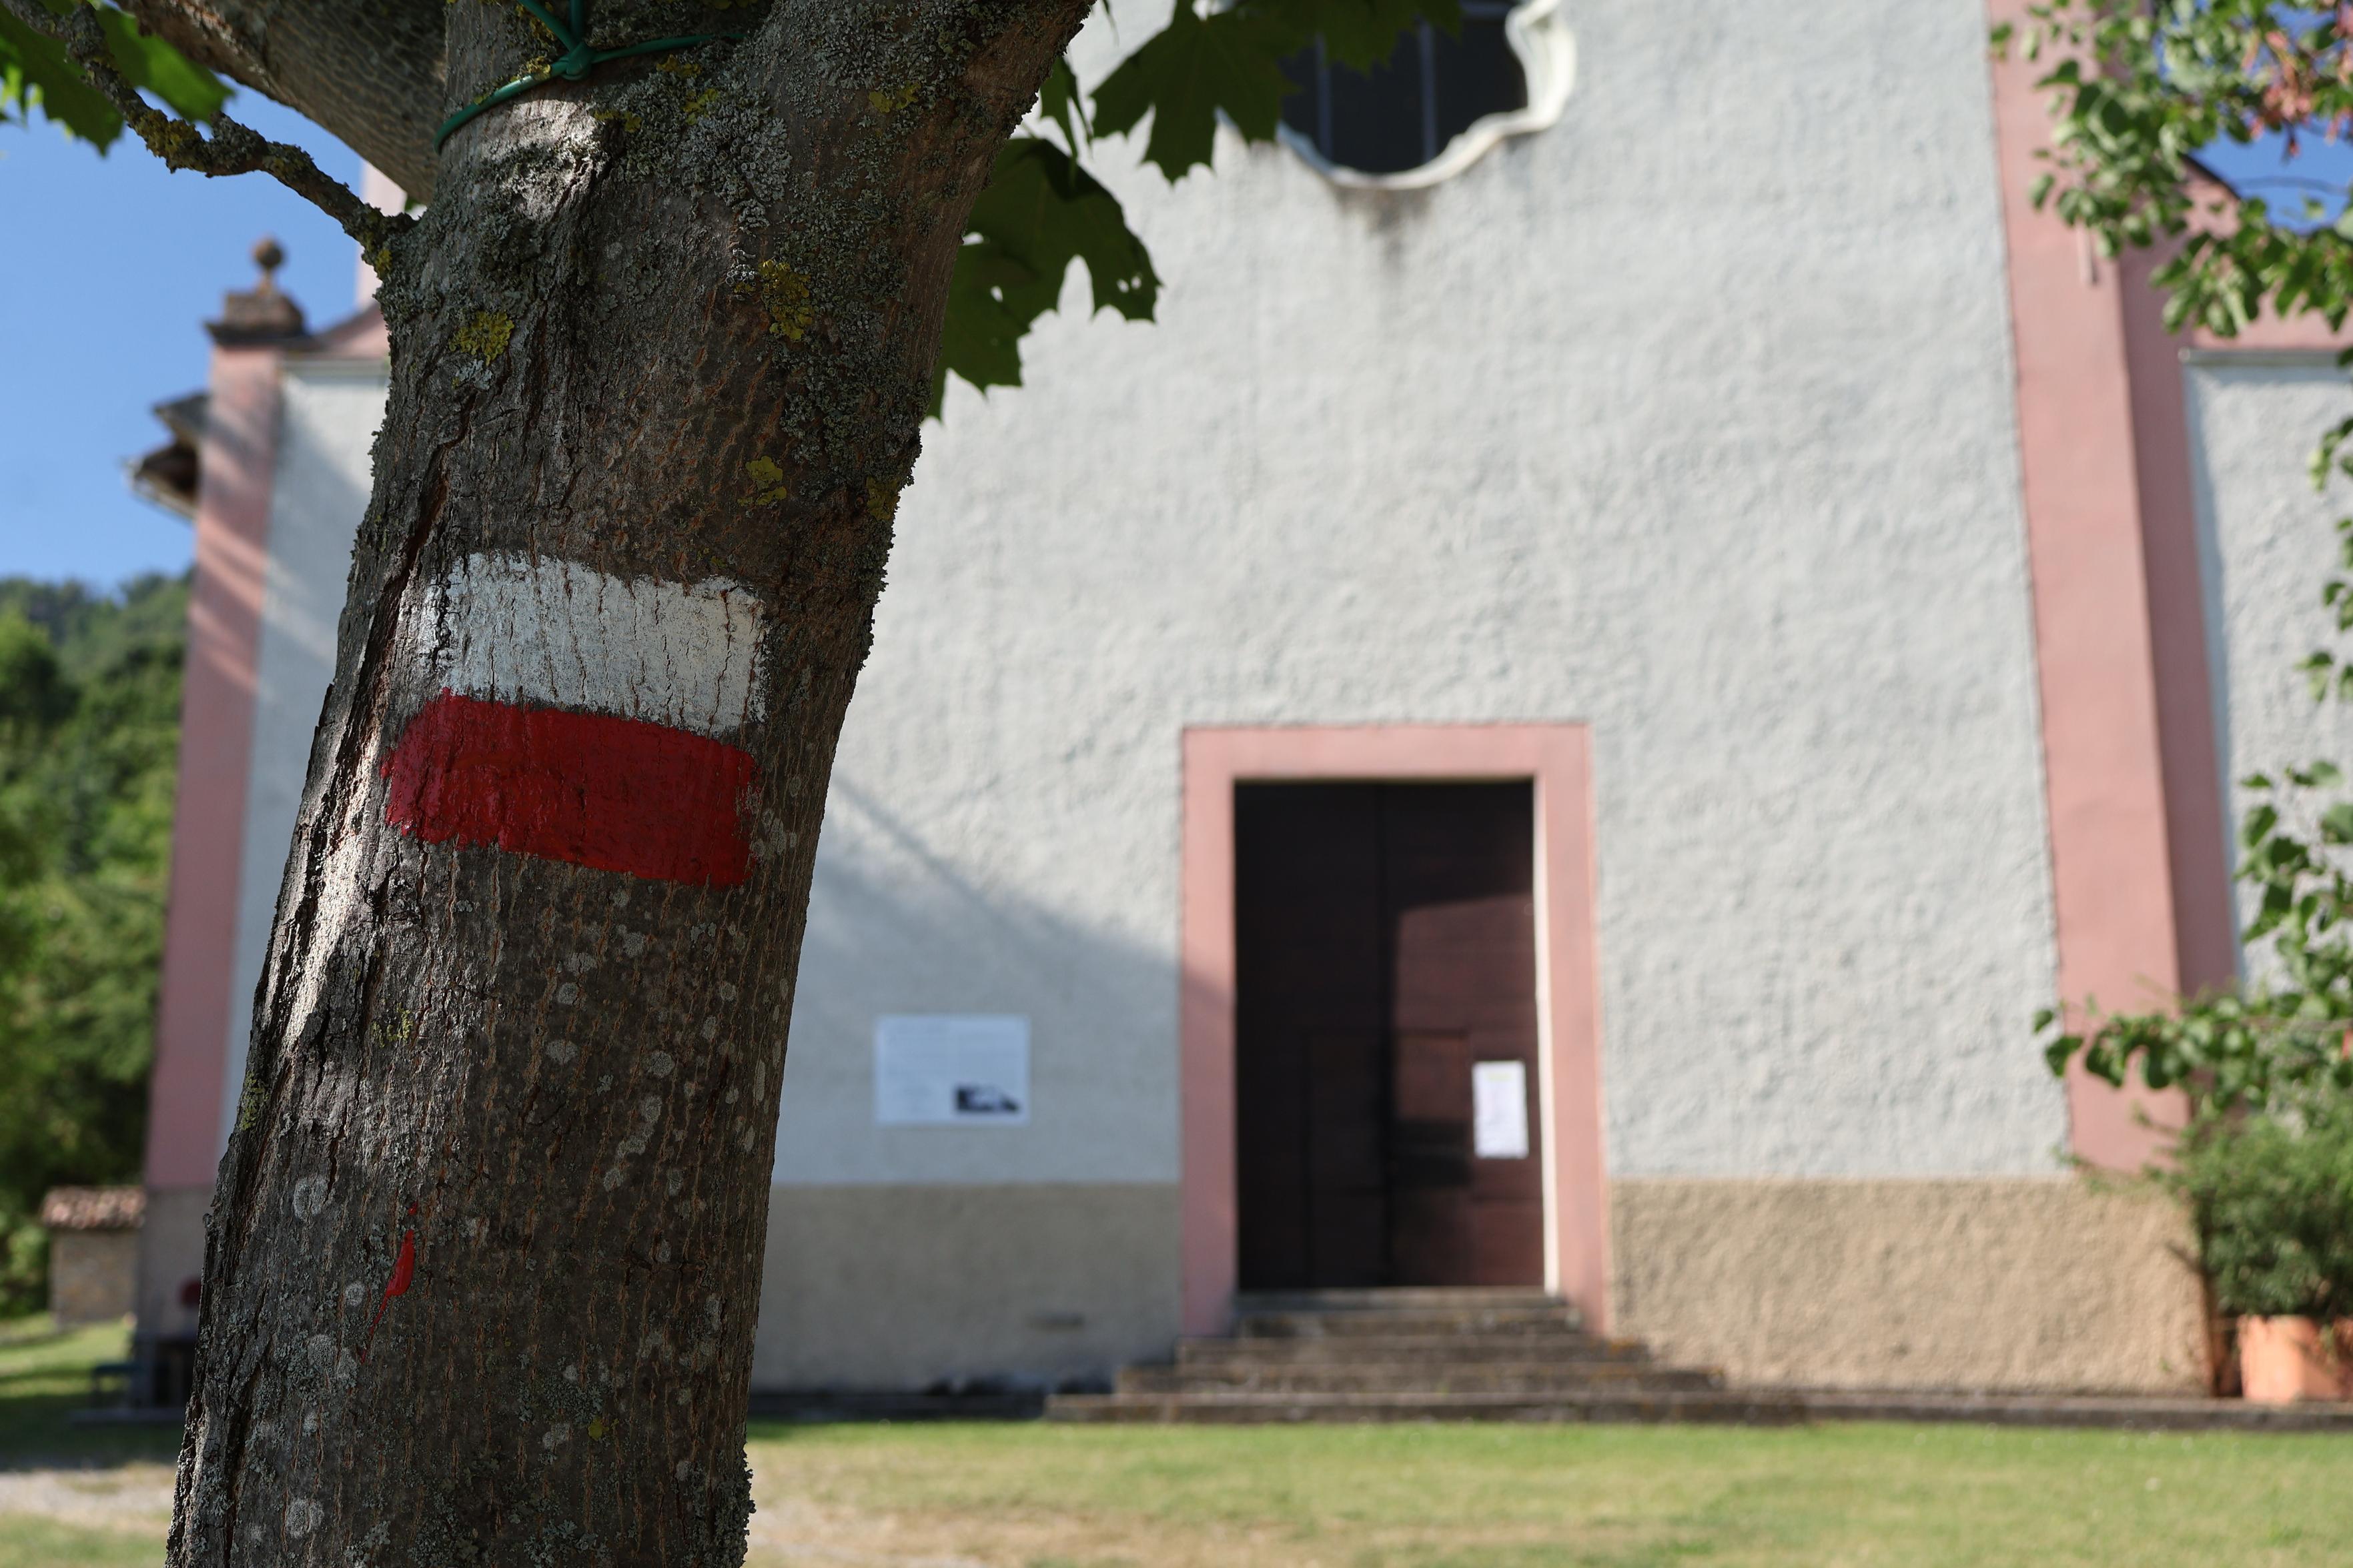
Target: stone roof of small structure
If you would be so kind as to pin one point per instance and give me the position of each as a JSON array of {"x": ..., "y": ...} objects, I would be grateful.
[
  {"x": 93, "y": 1209},
  {"x": 168, "y": 474}
]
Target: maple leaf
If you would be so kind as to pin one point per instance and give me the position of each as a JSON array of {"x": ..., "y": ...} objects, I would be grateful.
[
  {"x": 1195, "y": 68},
  {"x": 1041, "y": 212}
]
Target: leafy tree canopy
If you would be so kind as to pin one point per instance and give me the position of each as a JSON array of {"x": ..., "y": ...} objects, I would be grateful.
[{"x": 89, "y": 718}]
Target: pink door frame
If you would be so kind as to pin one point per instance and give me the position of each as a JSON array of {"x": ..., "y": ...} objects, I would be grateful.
[{"x": 1557, "y": 760}]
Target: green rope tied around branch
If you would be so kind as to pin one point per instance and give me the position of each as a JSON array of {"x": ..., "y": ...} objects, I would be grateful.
[{"x": 574, "y": 65}]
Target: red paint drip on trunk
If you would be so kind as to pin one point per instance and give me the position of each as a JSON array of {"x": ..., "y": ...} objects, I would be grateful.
[
  {"x": 618, "y": 794},
  {"x": 403, "y": 1269}
]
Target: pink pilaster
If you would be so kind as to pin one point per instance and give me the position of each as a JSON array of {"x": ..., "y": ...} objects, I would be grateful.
[
  {"x": 217, "y": 705},
  {"x": 2104, "y": 776}
]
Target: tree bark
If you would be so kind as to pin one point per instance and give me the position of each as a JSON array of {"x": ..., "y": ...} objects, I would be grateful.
[
  {"x": 368, "y": 70},
  {"x": 661, "y": 349}
]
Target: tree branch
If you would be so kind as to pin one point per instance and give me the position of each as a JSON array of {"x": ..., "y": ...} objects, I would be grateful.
[
  {"x": 369, "y": 70},
  {"x": 233, "y": 148}
]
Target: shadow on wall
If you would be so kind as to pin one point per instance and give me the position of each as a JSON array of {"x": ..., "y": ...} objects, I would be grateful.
[
  {"x": 1020, "y": 1256},
  {"x": 894, "y": 926}
]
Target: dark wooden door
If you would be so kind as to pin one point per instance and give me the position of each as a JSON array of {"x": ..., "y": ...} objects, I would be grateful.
[{"x": 1386, "y": 949}]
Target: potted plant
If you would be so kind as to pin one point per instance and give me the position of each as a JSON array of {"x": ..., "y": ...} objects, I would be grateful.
[
  {"x": 2265, "y": 1066},
  {"x": 2272, "y": 1197}
]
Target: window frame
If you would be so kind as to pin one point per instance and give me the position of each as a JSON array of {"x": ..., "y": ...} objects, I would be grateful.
[{"x": 1547, "y": 56}]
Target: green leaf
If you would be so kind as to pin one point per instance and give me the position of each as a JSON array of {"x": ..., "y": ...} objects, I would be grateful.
[
  {"x": 980, "y": 339},
  {"x": 2055, "y": 1056},
  {"x": 1229, "y": 63},
  {"x": 150, "y": 64},
  {"x": 1060, "y": 102},
  {"x": 1041, "y": 212},
  {"x": 1190, "y": 73},
  {"x": 35, "y": 71},
  {"x": 2337, "y": 823}
]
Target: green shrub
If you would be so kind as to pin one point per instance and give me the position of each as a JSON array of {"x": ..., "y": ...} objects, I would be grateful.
[{"x": 2272, "y": 1201}]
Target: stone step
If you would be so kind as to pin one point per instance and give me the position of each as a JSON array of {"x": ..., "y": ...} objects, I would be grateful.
[
  {"x": 1429, "y": 1349},
  {"x": 1553, "y": 1319},
  {"x": 1415, "y": 1377},
  {"x": 1263, "y": 1409},
  {"x": 1394, "y": 1298}
]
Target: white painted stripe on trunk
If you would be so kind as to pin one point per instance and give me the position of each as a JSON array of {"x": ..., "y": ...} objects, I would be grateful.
[{"x": 554, "y": 634}]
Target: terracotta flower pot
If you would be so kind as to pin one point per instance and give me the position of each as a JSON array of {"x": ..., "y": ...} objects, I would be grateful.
[{"x": 2282, "y": 1360}]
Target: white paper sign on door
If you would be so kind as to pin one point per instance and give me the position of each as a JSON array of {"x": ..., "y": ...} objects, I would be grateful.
[
  {"x": 951, "y": 1069},
  {"x": 1499, "y": 1111}
]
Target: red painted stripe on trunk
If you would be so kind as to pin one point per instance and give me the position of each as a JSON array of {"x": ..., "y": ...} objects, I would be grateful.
[{"x": 616, "y": 793}]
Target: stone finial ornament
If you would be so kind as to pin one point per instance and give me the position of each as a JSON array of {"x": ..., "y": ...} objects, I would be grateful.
[{"x": 263, "y": 314}]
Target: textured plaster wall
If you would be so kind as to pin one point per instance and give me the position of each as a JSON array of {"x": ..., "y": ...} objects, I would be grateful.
[
  {"x": 894, "y": 1287},
  {"x": 2045, "y": 1284},
  {"x": 2267, "y": 546},
  {"x": 328, "y": 418},
  {"x": 1691, "y": 418}
]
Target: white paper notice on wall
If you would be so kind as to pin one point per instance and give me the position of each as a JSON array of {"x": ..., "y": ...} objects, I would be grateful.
[
  {"x": 1499, "y": 1111},
  {"x": 951, "y": 1069}
]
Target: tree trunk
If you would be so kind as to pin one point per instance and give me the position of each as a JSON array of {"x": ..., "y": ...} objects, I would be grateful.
[{"x": 483, "y": 1262}]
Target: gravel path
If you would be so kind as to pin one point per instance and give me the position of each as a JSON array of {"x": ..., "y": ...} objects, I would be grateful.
[{"x": 135, "y": 1498}]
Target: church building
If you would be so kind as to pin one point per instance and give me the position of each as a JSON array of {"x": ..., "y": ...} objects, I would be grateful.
[{"x": 1549, "y": 725}]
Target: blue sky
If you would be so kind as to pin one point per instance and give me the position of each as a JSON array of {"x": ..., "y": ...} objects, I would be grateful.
[
  {"x": 112, "y": 264},
  {"x": 2321, "y": 169}
]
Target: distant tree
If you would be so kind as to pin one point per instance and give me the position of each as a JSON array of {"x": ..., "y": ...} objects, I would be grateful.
[
  {"x": 90, "y": 713},
  {"x": 691, "y": 274}
]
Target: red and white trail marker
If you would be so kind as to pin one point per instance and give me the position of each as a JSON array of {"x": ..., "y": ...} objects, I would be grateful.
[{"x": 588, "y": 718}]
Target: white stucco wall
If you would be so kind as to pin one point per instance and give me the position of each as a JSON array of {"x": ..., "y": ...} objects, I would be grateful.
[
  {"x": 1690, "y": 418},
  {"x": 2266, "y": 545},
  {"x": 328, "y": 414}
]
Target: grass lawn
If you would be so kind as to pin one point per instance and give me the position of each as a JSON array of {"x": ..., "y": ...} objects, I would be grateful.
[
  {"x": 44, "y": 1373},
  {"x": 1399, "y": 1496},
  {"x": 87, "y": 1497},
  {"x": 1521, "y": 1497}
]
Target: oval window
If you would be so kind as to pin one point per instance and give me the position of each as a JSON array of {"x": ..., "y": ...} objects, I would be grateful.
[{"x": 1438, "y": 102}]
